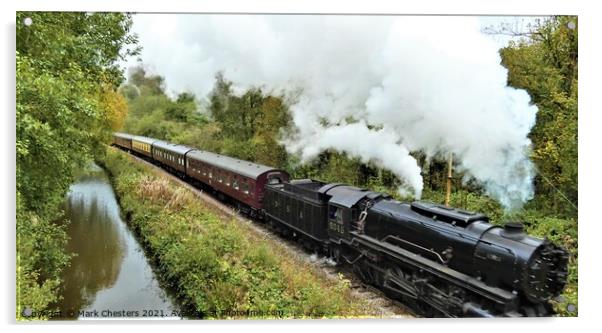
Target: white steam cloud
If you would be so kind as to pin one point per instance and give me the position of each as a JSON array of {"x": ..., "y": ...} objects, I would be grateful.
[{"x": 374, "y": 87}]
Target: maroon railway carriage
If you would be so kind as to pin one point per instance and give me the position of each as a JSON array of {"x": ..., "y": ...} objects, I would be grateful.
[
  {"x": 170, "y": 154},
  {"x": 143, "y": 145},
  {"x": 123, "y": 140},
  {"x": 239, "y": 179}
]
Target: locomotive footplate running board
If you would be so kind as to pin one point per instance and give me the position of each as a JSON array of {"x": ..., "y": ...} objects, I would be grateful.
[{"x": 505, "y": 299}]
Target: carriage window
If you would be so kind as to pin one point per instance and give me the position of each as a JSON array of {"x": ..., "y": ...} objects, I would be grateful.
[
  {"x": 227, "y": 181},
  {"x": 245, "y": 188},
  {"x": 235, "y": 184}
]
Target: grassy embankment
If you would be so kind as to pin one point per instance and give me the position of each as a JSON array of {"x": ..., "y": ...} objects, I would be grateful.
[{"x": 216, "y": 264}]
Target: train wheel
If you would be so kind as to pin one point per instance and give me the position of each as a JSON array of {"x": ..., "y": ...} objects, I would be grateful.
[
  {"x": 364, "y": 272},
  {"x": 529, "y": 311},
  {"x": 538, "y": 310}
]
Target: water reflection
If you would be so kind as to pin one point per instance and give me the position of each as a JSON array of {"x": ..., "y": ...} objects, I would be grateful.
[{"x": 110, "y": 271}]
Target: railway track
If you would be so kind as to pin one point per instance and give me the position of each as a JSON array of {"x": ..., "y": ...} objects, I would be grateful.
[{"x": 384, "y": 307}]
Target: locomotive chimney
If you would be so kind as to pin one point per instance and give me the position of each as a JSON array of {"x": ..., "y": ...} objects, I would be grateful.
[{"x": 513, "y": 230}]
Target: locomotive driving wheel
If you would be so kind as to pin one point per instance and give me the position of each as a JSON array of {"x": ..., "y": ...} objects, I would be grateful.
[
  {"x": 366, "y": 273},
  {"x": 538, "y": 310}
]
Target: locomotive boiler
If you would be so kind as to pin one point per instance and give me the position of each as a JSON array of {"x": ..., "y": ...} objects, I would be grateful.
[{"x": 500, "y": 256}]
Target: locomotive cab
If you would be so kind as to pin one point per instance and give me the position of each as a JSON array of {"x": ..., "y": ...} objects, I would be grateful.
[
  {"x": 345, "y": 207},
  {"x": 339, "y": 218}
]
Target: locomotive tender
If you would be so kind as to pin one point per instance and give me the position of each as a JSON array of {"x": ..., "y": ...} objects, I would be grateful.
[{"x": 437, "y": 260}]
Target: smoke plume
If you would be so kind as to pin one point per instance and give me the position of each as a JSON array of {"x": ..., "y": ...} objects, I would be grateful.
[{"x": 373, "y": 87}]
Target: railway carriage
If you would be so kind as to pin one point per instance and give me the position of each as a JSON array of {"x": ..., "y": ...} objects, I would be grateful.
[
  {"x": 241, "y": 180},
  {"x": 123, "y": 140},
  {"x": 143, "y": 145},
  {"x": 171, "y": 155}
]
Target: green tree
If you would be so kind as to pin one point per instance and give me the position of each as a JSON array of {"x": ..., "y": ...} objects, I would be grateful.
[
  {"x": 148, "y": 84},
  {"x": 544, "y": 63},
  {"x": 67, "y": 71},
  {"x": 250, "y": 124}
]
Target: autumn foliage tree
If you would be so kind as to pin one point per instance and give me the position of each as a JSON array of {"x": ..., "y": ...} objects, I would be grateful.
[{"x": 115, "y": 108}]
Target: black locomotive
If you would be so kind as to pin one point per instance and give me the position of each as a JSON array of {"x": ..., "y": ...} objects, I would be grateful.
[{"x": 440, "y": 261}]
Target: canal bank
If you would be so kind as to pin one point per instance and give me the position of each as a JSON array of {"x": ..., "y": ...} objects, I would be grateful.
[{"x": 109, "y": 276}]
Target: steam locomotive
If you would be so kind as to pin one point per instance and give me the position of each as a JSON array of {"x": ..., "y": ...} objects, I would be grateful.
[{"x": 439, "y": 261}]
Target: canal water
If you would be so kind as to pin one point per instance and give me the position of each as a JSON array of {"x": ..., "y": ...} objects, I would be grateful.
[{"x": 110, "y": 276}]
